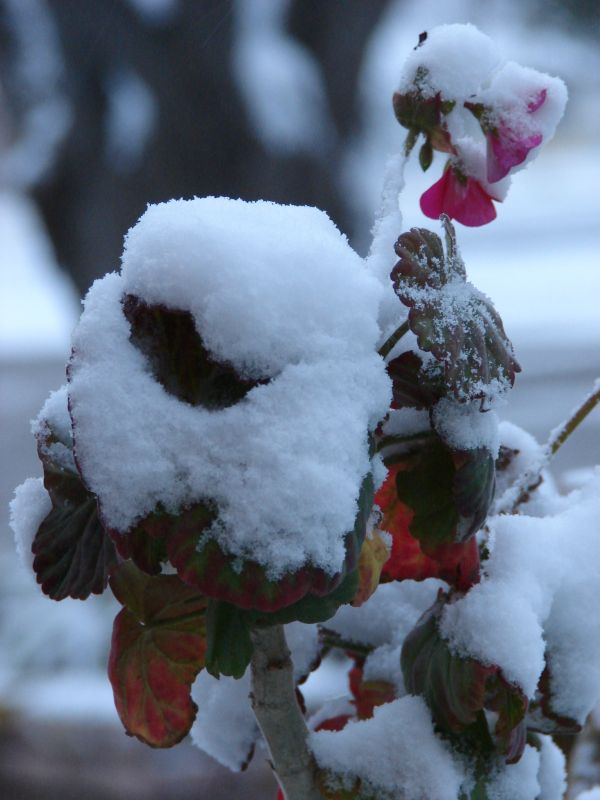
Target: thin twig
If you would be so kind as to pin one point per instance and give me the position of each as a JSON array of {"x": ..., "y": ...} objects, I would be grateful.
[
  {"x": 528, "y": 482},
  {"x": 393, "y": 340},
  {"x": 279, "y": 716}
]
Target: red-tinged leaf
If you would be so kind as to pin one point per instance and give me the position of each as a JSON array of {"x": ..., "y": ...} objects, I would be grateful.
[
  {"x": 158, "y": 648},
  {"x": 413, "y": 385},
  {"x": 452, "y": 320},
  {"x": 201, "y": 563},
  {"x": 457, "y": 564},
  {"x": 73, "y": 554},
  {"x": 334, "y": 723},
  {"x": 457, "y": 689},
  {"x": 178, "y": 359},
  {"x": 373, "y": 555},
  {"x": 144, "y": 545}
]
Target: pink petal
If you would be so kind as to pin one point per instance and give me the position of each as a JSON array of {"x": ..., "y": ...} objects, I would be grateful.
[
  {"x": 505, "y": 151},
  {"x": 467, "y": 203},
  {"x": 537, "y": 102}
]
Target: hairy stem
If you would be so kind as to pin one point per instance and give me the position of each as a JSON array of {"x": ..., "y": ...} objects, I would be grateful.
[
  {"x": 393, "y": 340},
  {"x": 279, "y": 716},
  {"x": 520, "y": 492}
]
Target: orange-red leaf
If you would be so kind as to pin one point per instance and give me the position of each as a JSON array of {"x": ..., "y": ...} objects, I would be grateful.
[
  {"x": 456, "y": 563},
  {"x": 158, "y": 648}
]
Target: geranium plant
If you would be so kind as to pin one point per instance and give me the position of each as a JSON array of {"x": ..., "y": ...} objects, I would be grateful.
[{"x": 268, "y": 444}]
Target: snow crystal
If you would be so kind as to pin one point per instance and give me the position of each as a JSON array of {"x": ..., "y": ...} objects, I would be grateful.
[
  {"x": 30, "y": 505},
  {"x": 458, "y": 59},
  {"x": 292, "y": 302},
  {"x": 552, "y": 772},
  {"x": 395, "y": 753},
  {"x": 517, "y": 781},
  {"x": 539, "y": 597},
  {"x": 463, "y": 427},
  {"x": 225, "y": 726}
]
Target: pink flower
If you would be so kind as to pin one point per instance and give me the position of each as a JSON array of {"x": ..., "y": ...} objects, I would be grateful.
[
  {"x": 506, "y": 148},
  {"x": 460, "y": 197}
]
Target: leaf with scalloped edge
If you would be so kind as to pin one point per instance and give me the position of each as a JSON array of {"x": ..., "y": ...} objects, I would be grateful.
[
  {"x": 201, "y": 562},
  {"x": 158, "y": 648},
  {"x": 178, "y": 358},
  {"x": 413, "y": 384},
  {"x": 455, "y": 563},
  {"x": 73, "y": 554},
  {"x": 457, "y": 689},
  {"x": 451, "y": 319}
]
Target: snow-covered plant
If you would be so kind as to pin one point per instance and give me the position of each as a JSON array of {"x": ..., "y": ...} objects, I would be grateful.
[{"x": 264, "y": 437}]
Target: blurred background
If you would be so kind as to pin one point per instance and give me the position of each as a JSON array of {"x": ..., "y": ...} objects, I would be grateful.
[{"x": 107, "y": 105}]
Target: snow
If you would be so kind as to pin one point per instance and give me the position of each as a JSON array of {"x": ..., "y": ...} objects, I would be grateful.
[
  {"x": 388, "y": 615},
  {"x": 383, "y": 622},
  {"x": 552, "y": 772},
  {"x": 517, "y": 781},
  {"x": 536, "y": 601},
  {"x": 29, "y": 507},
  {"x": 395, "y": 753},
  {"x": 295, "y": 305},
  {"x": 463, "y": 426},
  {"x": 458, "y": 59},
  {"x": 225, "y": 726}
]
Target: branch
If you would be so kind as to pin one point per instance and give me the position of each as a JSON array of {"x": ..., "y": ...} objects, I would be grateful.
[
  {"x": 393, "y": 340},
  {"x": 279, "y": 716},
  {"x": 521, "y": 490}
]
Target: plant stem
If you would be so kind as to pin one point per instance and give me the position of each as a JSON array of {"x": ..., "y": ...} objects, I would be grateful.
[
  {"x": 279, "y": 716},
  {"x": 393, "y": 340},
  {"x": 520, "y": 491}
]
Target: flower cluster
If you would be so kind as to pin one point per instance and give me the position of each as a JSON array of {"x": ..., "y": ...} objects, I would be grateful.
[{"x": 489, "y": 124}]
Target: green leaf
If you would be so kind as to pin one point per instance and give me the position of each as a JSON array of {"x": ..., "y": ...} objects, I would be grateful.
[
  {"x": 458, "y": 689},
  {"x": 158, "y": 648},
  {"x": 413, "y": 385},
  {"x": 451, "y": 319},
  {"x": 229, "y": 644},
  {"x": 473, "y": 489},
  {"x": 73, "y": 554},
  {"x": 426, "y": 155},
  {"x": 426, "y": 487},
  {"x": 178, "y": 358},
  {"x": 312, "y": 608}
]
